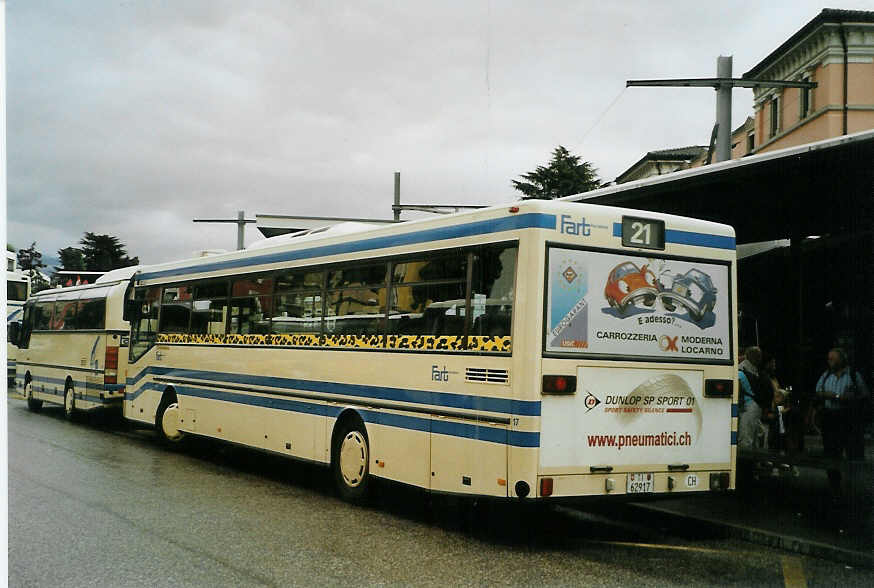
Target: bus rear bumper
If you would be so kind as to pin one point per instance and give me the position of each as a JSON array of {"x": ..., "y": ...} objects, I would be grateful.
[{"x": 620, "y": 484}]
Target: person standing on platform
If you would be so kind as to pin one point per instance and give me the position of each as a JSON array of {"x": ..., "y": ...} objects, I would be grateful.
[
  {"x": 842, "y": 392},
  {"x": 752, "y": 400}
]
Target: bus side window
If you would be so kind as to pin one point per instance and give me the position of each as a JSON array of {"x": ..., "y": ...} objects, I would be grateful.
[
  {"x": 491, "y": 298},
  {"x": 251, "y": 305},
  {"x": 64, "y": 318},
  {"x": 175, "y": 309},
  {"x": 209, "y": 312},
  {"x": 144, "y": 325},
  {"x": 42, "y": 318},
  {"x": 428, "y": 295},
  {"x": 91, "y": 314}
]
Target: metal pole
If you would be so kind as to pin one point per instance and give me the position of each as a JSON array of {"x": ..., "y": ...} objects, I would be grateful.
[
  {"x": 397, "y": 206},
  {"x": 723, "y": 109},
  {"x": 241, "y": 228}
]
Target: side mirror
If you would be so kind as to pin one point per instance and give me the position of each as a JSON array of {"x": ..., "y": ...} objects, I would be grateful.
[{"x": 13, "y": 333}]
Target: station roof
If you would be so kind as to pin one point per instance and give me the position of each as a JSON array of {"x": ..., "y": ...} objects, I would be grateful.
[{"x": 822, "y": 188}]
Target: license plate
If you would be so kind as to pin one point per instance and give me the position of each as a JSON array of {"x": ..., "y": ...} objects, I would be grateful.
[{"x": 640, "y": 482}]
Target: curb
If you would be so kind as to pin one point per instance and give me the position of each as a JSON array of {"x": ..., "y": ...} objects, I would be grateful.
[{"x": 761, "y": 537}]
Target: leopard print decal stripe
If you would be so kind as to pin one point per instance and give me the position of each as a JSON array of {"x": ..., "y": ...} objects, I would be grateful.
[{"x": 406, "y": 342}]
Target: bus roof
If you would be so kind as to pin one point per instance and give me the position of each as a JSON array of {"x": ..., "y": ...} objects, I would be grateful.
[{"x": 346, "y": 238}]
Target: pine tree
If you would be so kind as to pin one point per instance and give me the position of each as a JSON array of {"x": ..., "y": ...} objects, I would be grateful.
[{"x": 565, "y": 175}]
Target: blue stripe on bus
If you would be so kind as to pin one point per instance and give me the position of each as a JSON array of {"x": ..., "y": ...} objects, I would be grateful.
[
  {"x": 76, "y": 384},
  {"x": 734, "y": 410},
  {"x": 689, "y": 238},
  {"x": 734, "y": 437},
  {"x": 439, "y": 399},
  {"x": 528, "y": 220},
  {"x": 479, "y": 432}
]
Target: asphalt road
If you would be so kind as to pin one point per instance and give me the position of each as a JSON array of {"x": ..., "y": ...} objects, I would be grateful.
[{"x": 98, "y": 504}]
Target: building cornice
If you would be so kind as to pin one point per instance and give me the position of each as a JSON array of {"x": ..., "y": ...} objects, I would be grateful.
[{"x": 821, "y": 47}]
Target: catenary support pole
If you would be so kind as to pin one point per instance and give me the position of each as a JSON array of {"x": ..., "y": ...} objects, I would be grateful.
[
  {"x": 723, "y": 108},
  {"x": 397, "y": 206},
  {"x": 241, "y": 229}
]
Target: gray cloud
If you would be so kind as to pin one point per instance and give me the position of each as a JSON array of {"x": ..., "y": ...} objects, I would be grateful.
[{"x": 132, "y": 118}]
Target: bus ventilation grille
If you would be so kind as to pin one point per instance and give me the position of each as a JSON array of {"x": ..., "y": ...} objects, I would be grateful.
[{"x": 486, "y": 375}]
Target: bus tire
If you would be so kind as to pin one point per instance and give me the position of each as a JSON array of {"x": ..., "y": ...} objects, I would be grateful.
[
  {"x": 167, "y": 421},
  {"x": 69, "y": 403},
  {"x": 33, "y": 404},
  {"x": 351, "y": 461}
]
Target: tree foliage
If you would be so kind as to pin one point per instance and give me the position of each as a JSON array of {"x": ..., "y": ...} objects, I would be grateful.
[
  {"x": 102, "y": 253},
  {"x": 565, "y": 175},
  {"x": 30, "y": 260},
  {"x": 71, "y": 258}
]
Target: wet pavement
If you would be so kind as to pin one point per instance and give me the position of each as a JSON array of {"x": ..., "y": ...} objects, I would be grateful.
[
  {"x": 98, "y": 504},
  {"x": 785, "y": 500}
]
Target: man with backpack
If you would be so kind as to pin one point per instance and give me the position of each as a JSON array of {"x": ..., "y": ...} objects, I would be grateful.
[
  {"x": 756, "y": 394},
  {"x": 844, "y": 399}
]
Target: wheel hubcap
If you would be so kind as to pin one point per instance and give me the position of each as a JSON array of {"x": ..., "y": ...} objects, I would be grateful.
[
  {"x": 68, "y": 402},
  {"x": 170, "y": 423},
  {"x": 353, "y": 458}
]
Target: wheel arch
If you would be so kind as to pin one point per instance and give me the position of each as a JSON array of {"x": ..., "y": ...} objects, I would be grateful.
[
  {"x": 348, "y": 416},
  {"x": 168, "y": 396}
]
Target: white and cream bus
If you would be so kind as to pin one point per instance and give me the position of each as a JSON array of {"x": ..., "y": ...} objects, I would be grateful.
[
  {"x": 73, "y": 345},
  {"x": 17, "y": 291},
  {"x": 541, "y": 349}
]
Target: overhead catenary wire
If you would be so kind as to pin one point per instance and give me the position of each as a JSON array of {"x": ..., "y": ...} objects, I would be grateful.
[{"x": 602, "y": 115}]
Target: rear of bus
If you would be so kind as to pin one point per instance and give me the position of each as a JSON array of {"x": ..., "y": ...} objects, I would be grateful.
[
  {"x": 638, "y": 354},
  {"x": 74, "y": 342}
]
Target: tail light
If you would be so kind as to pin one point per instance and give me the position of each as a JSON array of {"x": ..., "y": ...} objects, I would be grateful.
[
  {"x": 718, "y": 388},
  {"x": 559, "y": 384},
  {"x": 545, "y": 487},
  {"x": 110, "y": 366}
]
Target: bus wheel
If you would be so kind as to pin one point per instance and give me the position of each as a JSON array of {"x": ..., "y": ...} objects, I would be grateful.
[
  {"x": 33, "y": 404},
  {"x": 351, "y": 462},
  {"x": 167, "y": 421},
  {"x": 69, "y": 403}
]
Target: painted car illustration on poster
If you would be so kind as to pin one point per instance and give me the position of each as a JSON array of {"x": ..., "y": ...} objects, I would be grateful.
[{"x": 629, "y": 285}]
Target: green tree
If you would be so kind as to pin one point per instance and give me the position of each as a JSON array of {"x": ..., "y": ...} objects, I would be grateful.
[
  {"x": 71, "y": 259},
  {"x": 104, "y": 253},
  {"x": 565, "y": 175},
  {"x": 30, "y": 260}
]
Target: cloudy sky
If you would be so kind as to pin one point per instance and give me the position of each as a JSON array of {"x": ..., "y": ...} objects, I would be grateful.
[{"x": 134, "y": 117}]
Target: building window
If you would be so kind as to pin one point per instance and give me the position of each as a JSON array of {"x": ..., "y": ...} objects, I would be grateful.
[
  {"x": 775, "y": 116},
  {"x": 804, "y": 99},
  {"x": 751, "y": 141}
]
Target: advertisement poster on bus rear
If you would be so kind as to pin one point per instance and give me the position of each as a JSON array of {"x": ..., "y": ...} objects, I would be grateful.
[
  {"x": 635, "y": 416},
  {"x": 618, "y": 304}
]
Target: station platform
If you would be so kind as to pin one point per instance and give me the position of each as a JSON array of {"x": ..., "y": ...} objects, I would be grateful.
[{"x": 784, "y": 501}]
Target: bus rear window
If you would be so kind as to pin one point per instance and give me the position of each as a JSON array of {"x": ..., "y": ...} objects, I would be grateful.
[{"x": 16, "y": 291}]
